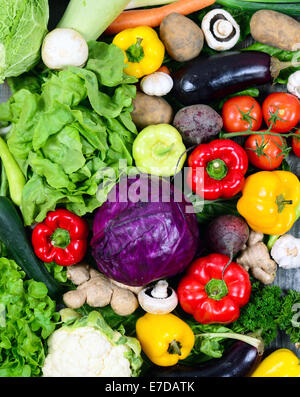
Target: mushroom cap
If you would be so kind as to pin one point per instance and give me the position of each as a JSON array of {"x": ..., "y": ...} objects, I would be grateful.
[
  {"x": 220, "y": 29},
  {"x": 155, "y": 305},
  {"x": 64, "y": 47}
]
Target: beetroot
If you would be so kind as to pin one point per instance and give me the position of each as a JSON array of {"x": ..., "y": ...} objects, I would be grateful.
[{"x": 227, "y": 234}]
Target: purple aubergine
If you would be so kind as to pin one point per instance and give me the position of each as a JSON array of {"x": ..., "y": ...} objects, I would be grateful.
[
  {"x": 240, "y": 361},
  {"x": 227, "y": 234},
  {"x": 207, "y": 79},
  {"x": 144, "y": 231}
]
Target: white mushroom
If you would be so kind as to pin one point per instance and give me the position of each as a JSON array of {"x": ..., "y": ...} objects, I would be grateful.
[
  {"x": 157, "y": 84},
  {"x": 158, "y": 299},
  {"x": 293, "y": 84},
  {"x": 286, "y": 252},
  {"x": 220, "y": 29},
  {"x": 64, "y": 47}
]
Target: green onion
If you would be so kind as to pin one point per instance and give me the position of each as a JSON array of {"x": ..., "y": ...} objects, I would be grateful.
[
  {"x": 290, "y": 8},
  {"x": 147, "y": 3}
]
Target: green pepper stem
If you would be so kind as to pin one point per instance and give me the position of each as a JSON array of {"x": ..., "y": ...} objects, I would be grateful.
[
  {"x": 255, "y": 342},
  {"x": 160, "y": 149},
  {"x": 135, "y": 53},
  {"x": 217, "y": 169},
  {"x": 60, "y": 238},
  {"x": 216, "y": 289}
]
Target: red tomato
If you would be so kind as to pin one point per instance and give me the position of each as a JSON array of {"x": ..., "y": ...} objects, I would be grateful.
[
  {"x": 237, "y": 111},
  {"x": 288, "y": 107},
  {"x": 264, "y": 151},
  {"x": 296, "y": 145}
]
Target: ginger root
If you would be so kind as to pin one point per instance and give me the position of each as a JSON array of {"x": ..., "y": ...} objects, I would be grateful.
[
  {"x": 256, "y": 258},
  {"x": 97, "y": 290}
]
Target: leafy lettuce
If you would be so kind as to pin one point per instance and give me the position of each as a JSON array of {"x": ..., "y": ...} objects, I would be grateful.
[
  {"x": 67, "y": 128},
  {"x": 23, "y": 25},
  {"x": 27, "y": 319}
]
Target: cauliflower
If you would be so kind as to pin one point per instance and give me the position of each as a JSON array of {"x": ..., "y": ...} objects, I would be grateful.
[{"x": 90, "y": 348}]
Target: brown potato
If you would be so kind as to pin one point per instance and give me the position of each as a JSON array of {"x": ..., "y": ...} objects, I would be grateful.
[
  {"x": 276, "y": 30},
  {"x": 182, "y": 38},
  {"x": 150, "y": 110}
]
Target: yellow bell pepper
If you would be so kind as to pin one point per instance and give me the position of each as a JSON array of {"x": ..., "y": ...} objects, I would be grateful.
[
  {"x": 143, "y": 50},
  {"x": 164, "y": 338},
  {"x": 282, "y": 363},
  {"x": 269, "y": 201}
]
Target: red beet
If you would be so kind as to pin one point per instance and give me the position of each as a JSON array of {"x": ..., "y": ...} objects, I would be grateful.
[{"x": 227, "y": 234}]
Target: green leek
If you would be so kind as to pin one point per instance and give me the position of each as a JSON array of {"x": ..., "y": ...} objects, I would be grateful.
[{"x": 91, "y": 17}]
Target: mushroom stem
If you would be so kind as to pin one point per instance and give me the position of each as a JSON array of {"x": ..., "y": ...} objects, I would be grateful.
[
  {"x": 223, "y": 27},
  {"x": 160, "y": 290}
]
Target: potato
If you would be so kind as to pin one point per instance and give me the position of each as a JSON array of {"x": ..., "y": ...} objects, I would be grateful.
[
  {"x": 197, "y": 123},
  {"x": 182, "y": 38},
  {"x": 276, "y": 30},
  {"x": 149, "y": 110}
]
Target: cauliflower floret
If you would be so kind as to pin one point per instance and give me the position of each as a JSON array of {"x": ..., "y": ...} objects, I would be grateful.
[{"x": 84, "y": 352}]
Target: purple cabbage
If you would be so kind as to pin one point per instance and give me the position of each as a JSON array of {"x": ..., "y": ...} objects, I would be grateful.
[{"x": 136, "y": 242}]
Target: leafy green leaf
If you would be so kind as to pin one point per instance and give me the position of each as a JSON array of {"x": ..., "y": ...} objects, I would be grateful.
[
  {"x": 66, "y": 132},
  {"x": 29, "y": 317}
]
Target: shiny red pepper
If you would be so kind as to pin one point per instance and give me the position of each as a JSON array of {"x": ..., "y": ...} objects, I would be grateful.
[
  {"x": 204, "y": 294},
  {"x": 217, "y": 169},
  {"x": 61, "y": 238}
]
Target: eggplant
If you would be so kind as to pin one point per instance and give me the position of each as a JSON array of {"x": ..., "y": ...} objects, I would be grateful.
[
  {"x": 207, "y": 79},
  {"x": 239, "y": 361}
]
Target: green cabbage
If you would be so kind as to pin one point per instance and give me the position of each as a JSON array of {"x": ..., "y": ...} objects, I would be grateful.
[{"x": 23, "y": 25}]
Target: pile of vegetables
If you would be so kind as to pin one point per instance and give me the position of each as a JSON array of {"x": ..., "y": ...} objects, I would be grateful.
[{"x": 146, "y": 195}]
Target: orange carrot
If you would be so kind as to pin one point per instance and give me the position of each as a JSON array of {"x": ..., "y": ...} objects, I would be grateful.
[
  {"x": 164, "y": 69},
  {"x": 153, "y": 16}
]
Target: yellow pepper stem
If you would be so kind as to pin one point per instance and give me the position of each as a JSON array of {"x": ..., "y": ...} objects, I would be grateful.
[
  {"x": 135, "y": 53},
  {"x": 175, "y": 347},
  {"x": 281, "y": 202}
]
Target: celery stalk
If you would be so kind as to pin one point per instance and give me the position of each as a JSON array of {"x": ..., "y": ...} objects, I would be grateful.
[
  {"x": 148, "y": 3},
  {"x": 91, "y": 17}
]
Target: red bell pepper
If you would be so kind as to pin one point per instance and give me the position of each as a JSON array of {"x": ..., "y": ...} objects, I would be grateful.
[
  {"x": 224, "y": 164},
  {"x": 210, "y": 299},
  {"x": 61, "y": 238}
]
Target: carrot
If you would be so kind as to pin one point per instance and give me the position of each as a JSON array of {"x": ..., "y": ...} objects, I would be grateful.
[{"x": 153, "y": 16}]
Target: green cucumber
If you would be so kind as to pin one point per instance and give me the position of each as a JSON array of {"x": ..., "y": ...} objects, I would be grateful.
[{"x": 13, "y": 236}]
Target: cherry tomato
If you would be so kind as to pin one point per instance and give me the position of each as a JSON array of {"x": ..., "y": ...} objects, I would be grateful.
[
  {"x": 265, "y": 152},
  {"x": 288, "y": 107},
  {"x": 237, "y": 111},
  {"x": 296, "y": 145}
]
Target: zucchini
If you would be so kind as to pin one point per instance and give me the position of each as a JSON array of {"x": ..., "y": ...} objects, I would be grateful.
[
  {"x": 13, "y": 236},
  {"x": 290, "y": 8}
]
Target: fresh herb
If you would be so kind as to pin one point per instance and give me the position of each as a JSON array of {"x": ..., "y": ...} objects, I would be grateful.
[
  {"x": 261, "y": 313},
  {"x": 289, "y": 318}
]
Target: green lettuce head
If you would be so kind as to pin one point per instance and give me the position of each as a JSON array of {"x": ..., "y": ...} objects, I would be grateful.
[{"x": 23, "y": 25}]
